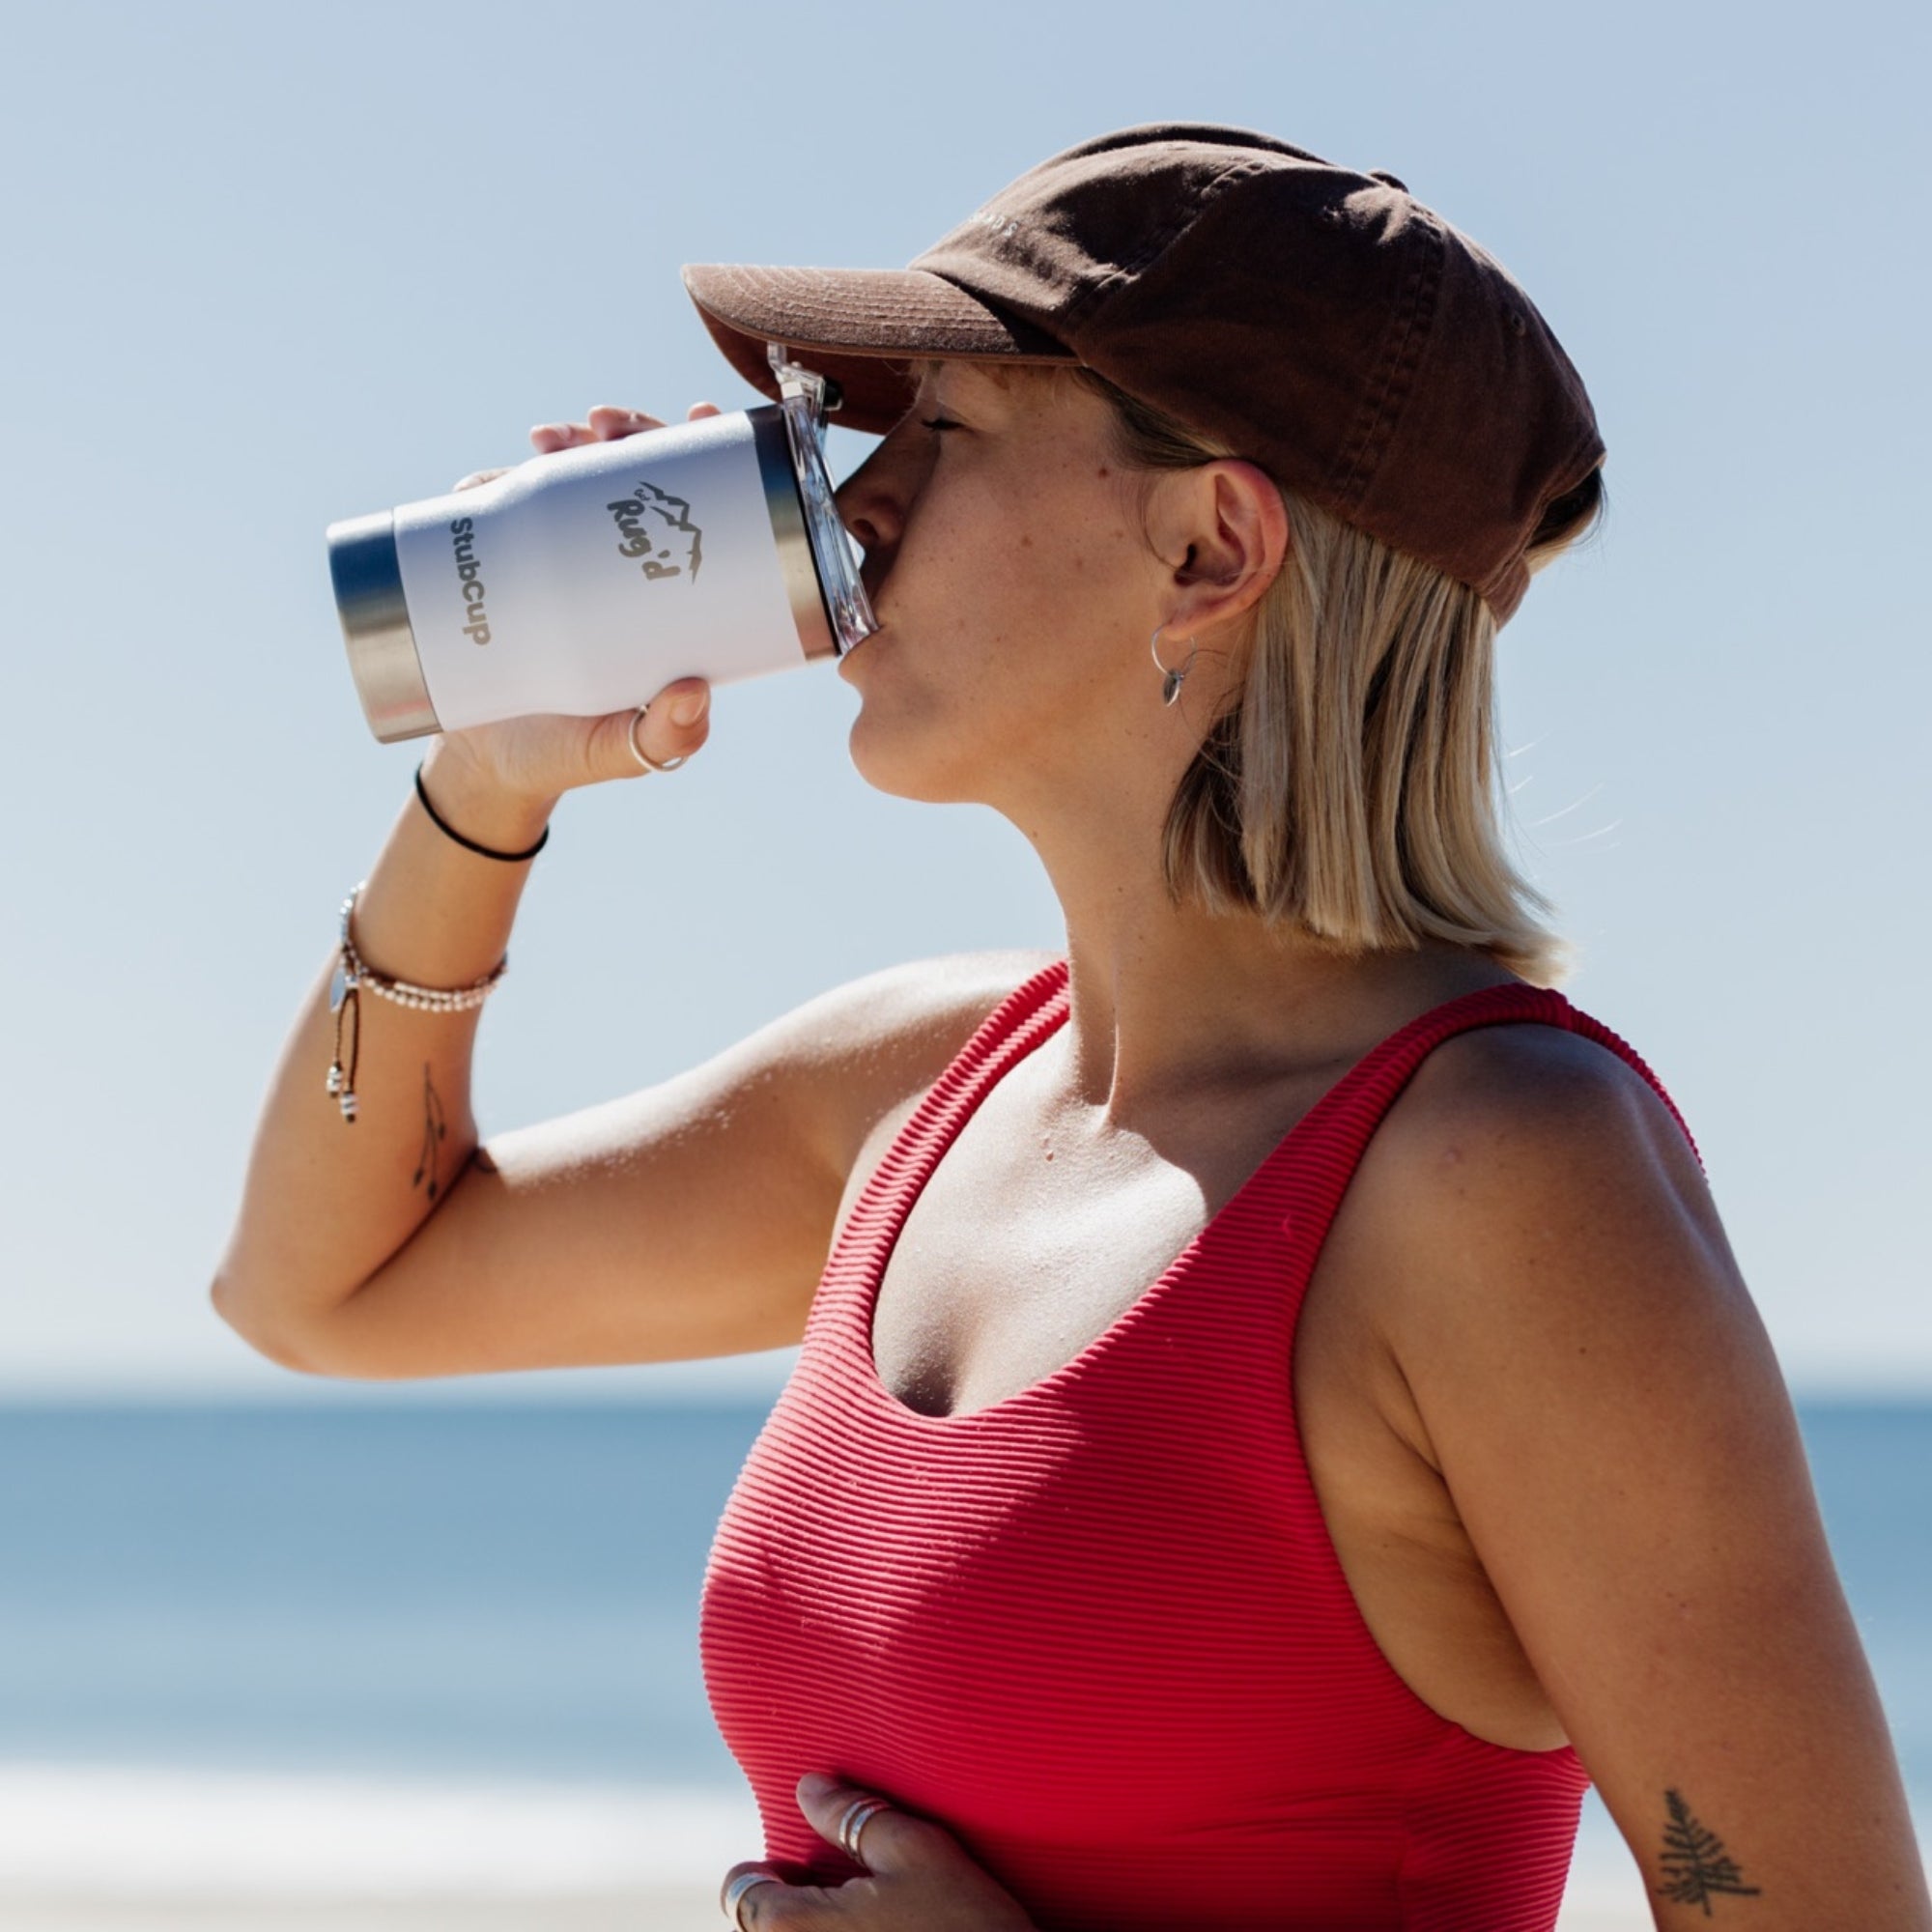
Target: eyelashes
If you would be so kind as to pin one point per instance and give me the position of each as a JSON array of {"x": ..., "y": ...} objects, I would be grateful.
[{"x": 939, "y": 424}]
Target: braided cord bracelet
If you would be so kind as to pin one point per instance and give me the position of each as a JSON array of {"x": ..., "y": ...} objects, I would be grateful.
[{"x": 354, "y": 975}]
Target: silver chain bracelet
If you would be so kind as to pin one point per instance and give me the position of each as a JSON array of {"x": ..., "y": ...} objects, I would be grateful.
[{"x": 354, "y": 974}]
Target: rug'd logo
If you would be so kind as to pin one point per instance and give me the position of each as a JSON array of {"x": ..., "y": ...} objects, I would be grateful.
[{"x": 655, "y": 527}]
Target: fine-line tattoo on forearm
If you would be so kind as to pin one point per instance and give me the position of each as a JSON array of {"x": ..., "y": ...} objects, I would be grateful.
[
  {"x": 433, "y": 1133},
  {"x": 1696, "y": 1867}
]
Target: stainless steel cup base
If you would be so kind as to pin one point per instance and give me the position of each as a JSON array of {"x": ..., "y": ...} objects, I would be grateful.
[{"x": 374, "y": 619}]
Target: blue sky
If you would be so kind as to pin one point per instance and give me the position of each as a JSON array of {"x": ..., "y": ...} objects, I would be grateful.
[{"x": 270, "y": 267}]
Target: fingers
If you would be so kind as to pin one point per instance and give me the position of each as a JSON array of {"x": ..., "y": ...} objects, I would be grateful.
[
  {"x": 608, "y": 422},
  {"x": 871, "y": 1829},
  {"x": 476, "y": 477},
  {"x": 547, "y": 439},
  {"x": 839, "y": 1812},
  {"x": 917, "y": 1874},
  {"x": 736, "y": 1898},
  {"x": 756, "y": 1899}
]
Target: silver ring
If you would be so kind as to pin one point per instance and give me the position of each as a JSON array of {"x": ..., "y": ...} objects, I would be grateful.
[
  {"x": 858, "y": 1815},
  {"x": 637, "y": 751},
  {"x": 734, "y": 1895}
]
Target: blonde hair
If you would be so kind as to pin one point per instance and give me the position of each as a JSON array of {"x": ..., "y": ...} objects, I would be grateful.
[{"x": 1350, "y": 790}]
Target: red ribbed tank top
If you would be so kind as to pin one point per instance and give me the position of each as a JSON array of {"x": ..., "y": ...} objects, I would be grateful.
[{"x": 1097, "y": 1628}]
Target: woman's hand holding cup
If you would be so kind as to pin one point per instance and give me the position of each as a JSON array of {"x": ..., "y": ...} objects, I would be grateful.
[{"x": 523, "y": 765}]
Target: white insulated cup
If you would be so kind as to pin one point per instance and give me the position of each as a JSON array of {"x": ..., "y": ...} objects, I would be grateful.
[{"x": 584, "y": 581}]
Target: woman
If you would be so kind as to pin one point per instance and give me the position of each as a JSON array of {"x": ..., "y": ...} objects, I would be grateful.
[{"x": 1277, "y": 1413}]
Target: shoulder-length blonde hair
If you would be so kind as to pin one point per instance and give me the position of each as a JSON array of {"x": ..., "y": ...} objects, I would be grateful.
[{"x": 1350, "y": 790}]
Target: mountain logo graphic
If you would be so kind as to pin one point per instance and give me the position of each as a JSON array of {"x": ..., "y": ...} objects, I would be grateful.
[{"x": 656, "y": 529}]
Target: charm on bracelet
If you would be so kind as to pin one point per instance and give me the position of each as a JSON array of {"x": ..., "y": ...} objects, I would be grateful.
[{"x": 346, "y": 985}]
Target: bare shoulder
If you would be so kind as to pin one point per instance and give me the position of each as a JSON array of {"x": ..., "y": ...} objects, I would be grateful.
[
  {"x": 919, "y": 1000},
  {"x": 1505, "y": 1109},
  {"x": 1531, "y": 1190},
  {"x": 864, "y": 1051}
]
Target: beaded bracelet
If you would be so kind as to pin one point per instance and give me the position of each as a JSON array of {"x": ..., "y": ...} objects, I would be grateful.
[{"x": 352, "y": 973}]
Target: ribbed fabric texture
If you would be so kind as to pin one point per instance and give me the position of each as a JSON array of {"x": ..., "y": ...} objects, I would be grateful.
[{"x": 1099, "y": 1629}]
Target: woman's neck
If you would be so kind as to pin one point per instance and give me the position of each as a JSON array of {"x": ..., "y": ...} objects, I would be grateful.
[{"x": 1171, "y": 1005}]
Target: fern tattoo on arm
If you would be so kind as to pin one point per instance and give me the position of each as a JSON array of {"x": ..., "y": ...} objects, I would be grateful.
[
  {"x": 1696, "y": 1867},
  {"x": 434, "y": 1131}
]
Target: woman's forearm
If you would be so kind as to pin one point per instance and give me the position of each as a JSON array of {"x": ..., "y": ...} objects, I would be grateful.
[{"x": 328, "y": 1200}]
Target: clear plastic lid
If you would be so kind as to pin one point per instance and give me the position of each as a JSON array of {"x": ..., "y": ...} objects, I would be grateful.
[{"x": 803, "y": 393}]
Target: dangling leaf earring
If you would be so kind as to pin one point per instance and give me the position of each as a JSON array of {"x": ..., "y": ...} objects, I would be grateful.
[{"x": 1170, "y": 688}]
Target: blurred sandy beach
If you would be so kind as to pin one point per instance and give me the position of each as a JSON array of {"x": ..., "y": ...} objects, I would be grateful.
[
  {"x": 685, "y": 1909},
  {"x": 103, "y": 1849},
  {"x": 673, "y": 1910},
  {"x": 163, "y": 1850},
  {"x": 658, "y": 1910}
]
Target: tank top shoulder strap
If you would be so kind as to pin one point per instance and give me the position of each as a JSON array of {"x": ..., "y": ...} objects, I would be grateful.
[
  {"x": 1014, "y": 1026},
  {"x": 1330, "y": 1141}
]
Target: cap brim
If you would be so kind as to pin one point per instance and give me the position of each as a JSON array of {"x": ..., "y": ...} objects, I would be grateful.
[{"x": 864, "y": 327}]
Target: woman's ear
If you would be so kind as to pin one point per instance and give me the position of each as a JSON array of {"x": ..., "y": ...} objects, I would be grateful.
[{"x": 1222, "y": 530}]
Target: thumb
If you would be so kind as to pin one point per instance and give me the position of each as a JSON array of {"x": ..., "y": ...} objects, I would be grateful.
[{"x": 675, "y": 724}]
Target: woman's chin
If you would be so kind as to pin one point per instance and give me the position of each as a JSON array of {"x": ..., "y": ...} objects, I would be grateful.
[{"x": 893, "y": 760}]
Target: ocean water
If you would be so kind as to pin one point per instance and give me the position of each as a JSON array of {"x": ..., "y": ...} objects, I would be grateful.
[
  {"x": 467, "y": 1634},
  {"x": 370, "y": 1587}
]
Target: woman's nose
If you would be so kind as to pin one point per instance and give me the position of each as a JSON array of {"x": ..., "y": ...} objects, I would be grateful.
[
  {"x": 868, "y": 512},
  {"x": 875, "y": 500}
]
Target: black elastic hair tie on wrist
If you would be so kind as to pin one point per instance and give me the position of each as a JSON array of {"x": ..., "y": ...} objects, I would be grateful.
[{"x": 470, "y": 844}]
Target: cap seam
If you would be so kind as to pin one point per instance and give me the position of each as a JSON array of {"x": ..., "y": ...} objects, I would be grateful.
[
  {"x": 1164, "y": 237},
  {"x": 1369, "y": 438}
]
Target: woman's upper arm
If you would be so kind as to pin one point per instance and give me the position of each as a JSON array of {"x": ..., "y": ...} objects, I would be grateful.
[
  {"x": 690, "y": 1219},
  {"x": 1594, "y": 1385}
]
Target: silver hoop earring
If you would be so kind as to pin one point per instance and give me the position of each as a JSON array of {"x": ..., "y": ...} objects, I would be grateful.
[{"x": 1170, "y": 688}]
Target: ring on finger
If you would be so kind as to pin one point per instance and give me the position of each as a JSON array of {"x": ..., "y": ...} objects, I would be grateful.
[
  {"x": 650, "y": 764},
  {"x": 856, "y": 1816},
  {"x": 734, "y": 1895}
]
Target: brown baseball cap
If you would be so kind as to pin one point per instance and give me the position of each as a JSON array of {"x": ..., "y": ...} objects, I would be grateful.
[{"x": 1323, "y": 323}]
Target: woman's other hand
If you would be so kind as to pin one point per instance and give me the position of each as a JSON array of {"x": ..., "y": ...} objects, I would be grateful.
[
  {"x": 918, "y": 1876},
  {"x": 535, "y": 760}
]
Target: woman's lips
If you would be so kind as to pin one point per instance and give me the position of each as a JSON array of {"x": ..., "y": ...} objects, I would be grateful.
[{"x": 845, "y": 656}]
